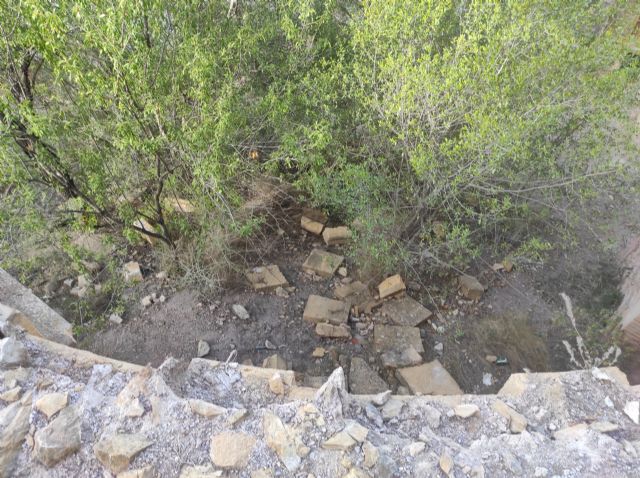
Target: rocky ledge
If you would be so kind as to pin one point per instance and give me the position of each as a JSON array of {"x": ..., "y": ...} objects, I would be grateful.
[{"x": 66, "y": 412}]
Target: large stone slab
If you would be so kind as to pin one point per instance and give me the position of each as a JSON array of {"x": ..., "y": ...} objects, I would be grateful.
[
  {"x": 323, "y": 263},
  {"x": 266, "y": 278},
  {"x": 321, "y": 309},
  {"x": 406, "y": 311},
  {"x": 396, "y": 337},
  {"x": 363, "y": 380},
  {"x": 356, "y": 294},
  {"x": 36, "y": 317},
  {"x": 428, "y": 379}
]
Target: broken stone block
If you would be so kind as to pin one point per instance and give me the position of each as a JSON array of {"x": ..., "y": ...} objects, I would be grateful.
[
  {"x": 363, "y": 380},
  {"x": 396, "y": 337},
  {"x": 58, "y": 439},
  {"x": 322, "y": 309},
  {"x": 308, "y": 224},
  {"x": 336, "y": 235},
  {"x": 181, "y": 205},
  {"x": 428, "y": 379},
  {"x": 144, "y": 225},
  {"x": 51, "y": 403},
  {"x": 334, "y": 331},
  {"x": 470, "y": 287},
  {"x": 356, "y": 294},
  {"x": 391, "y": 286},
  {"x": 517, "y": 422},
  {"x": 132, "y": 272},
  {"x": 117, "y": 451},
  {"x": 275, "y": 361},
  {"x": 406, "y": 311},
  {"x": 266, "y": 278},
  {"x": 12, "y": 353},
  {"x": 401, "y": 358},
  {"x": 318, "y": 352},
  {"x": 11, "y": 395},
  {"x": 322, "y": 263},
  {"x": 315, "y": 215},
  {"x": 231, "y": 449}
]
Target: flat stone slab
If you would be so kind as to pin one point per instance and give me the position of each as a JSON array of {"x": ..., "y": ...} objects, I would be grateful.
[
  {"x": 323, "y": 263},
  {"x": 396, "y": 337},
  {"x": 321, "y": 309},
  {"x": 363, "y": 380},
  {"x": 266, "y": 278},
  {"x": 336, "y": 235},
  {"x": 428, "y": 379},
  {"x": 356, "y": 294},
  {"x": 406, "y": 311},
  {"x": 314, "y": 227}
]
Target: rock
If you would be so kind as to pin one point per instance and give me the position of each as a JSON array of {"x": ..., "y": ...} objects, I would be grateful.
[
  {"x": 282, "y": 440},
  {"x": 311, "y": 224},
  {"x": 322, "y": 309},
  {"x": 331, "y": 396},
  {"x": 14, "y": 426},
  {"x": 391, "y": 286},
  {"x": 632, "y": 410},
  {"x": 507, "y": 264},
  {"x": 133, "y": 408},
  {"x": 52, "y": 403},
  {"x": 371, "y": 455},
  {"x": 398, "y": 359},
  {"x": 356, "y": 431},
  {"x": 355, "y": 294},
  {"x": 181, "y": 205},
  {"x": 438, "y": 348},
  {"x": 322, "y": 263},
  {"x": 466, "y": 410},
  {"x": 363, "y": 380},
  {"x": 117, "y": 451},
  {"x": 266, "y": 278},
  {"x": 143, "y": 225},
  {"x": 281, "y": 292},
  {"x": 415, "y": 448},
  {"x": 146, "y": 472},
  {"x": 341, "y": 441},
  {"x": 205, "y": 409},
  {"x": 269, "y": 345},
  {"x": 12, "y": 353},
  {"x": 470, "y": 287},
  {"x": 487, "y": 379},
  {"x": 336, "y": 235},
  {"x": 115, "y": 318},
  {"x": 11, "y": 395},
  {"x": 276, "y": 385},
  {"x": 540, "y": 472},
  {"x": 406, "y": 311},
  {"x": 396, "y": 337},
  {"x": 262, "y": 473},
  {"x": 381, "y": 398},
  {"x": 446, "y": 464},
  {"x": 276, "y": 362},
  {"x": 132, "y": 272},
  {"x": 604, "y": 427},
  {"x": 428, "y": 379},
  {"x": 203, "y": 348},
  {"x": 392, "y": 409},
  {"x": 231, "y": 449},
  {"x": 147, "y": 300},
  {"x": 202, "y": 471},
  {"x": 318, "y": 352},
  {"x": 517, "y": 422},
  {"x": 342, "y": 271},
  {"x": 240, "y": 312},
  {"x": 333, "y": 331},
  {"x": 491, "y": 358},
  {"x": 573, "y": 433},
  {"x": 58, "y": 439}
]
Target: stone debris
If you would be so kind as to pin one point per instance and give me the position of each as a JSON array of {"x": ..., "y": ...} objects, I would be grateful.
[
  {"x": 59, "y": 439},
  {"x": 392, "y": 409},
  {"x": 145, "y": 225},
  {"x": 282, "y": 440},
  {"x": 52, "y": 403},
  {"x": 237, "y": 416},
  {"x": 396, "y": 337},
  {"x": 116, "y": 451},
  {"x": 321, "y": 309},
  {"x": 11, "y": 395},
  {"x": 240, "y": 312},
  {"x": 470, "y": 287},
  {"x": 132, "y": 272},
  {"x": 146, "y": 472},
  {"x": 371, "y": 454},
  {"x": 604, "y": 427},
  {"x": 151, "y": 299},
  {"x": 318, "y": 352},
  {"x": 14, "y": 425},
  {"x": 391, "y": 286},
  {"x": 12, "y": 353},
  {"x": 322, "y": 263},
  {"x": 181, "y": 205},
  {"x": 115, "y": 319},
  {"x": 313, "y": 221},
  {"x": 517, "y": 422},
  {"x": 266, "y": 278},
  {"x": 334, "y": 236},
  {"x": 363, "y": 380},
  {"x": 401, "y": 358},
  {"x": 356, "y": 294},
  {"x": 333, "y": 331},
  {"x": 632, "y": 410},
  {"x": 356, "y": 431},
  {"x": 276, "y": 385},
  {"x": 428, "y": 379},
  {"x": 342, "y": 272},
  {"x": 466, "y": 410},
  {"x": 201, "y": 471},
  {"x": 415, "y": 448},
  {"x": 341, "y": 441},
  {"x": 406, "y": 311},
  {"x": 491, "y": 358},
  {"x": 205, "y": 409},
  {"x": 203, "y": 348},
  {"x": 446, "y": 464},
  {"x": 231, "y": 449},
  {"x": 276, "y": 362}
]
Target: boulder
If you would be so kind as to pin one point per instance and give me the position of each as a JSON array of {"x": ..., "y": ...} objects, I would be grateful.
[
  {"x": 428, "y": 379},
  {"x": 470, "y": 287},
  {"x": 371, "y": 454},
  {"x": 363, "y": 380},
  {"x": 391, "y": 286},
  {"x": 396, "y": 337},
  {"x": 323, "y": 263},
  {"x": 117, "y": 451},
  {"x": 333, "y": 331},
  {"x": 322, "y": 309},
  {"x": 58, "y": 439},
  {"x": 12, "y": 353},
  {"x": 231, "y": 449},
  {"x": 406, "y": 311},
  {"x": 336, "y": 235},
  {"x": 52, "y": 403},
  {"x": 266, "y": 278}
]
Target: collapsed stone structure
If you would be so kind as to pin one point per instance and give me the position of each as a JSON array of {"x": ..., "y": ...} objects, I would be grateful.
[{"x": 67, "y": 412}]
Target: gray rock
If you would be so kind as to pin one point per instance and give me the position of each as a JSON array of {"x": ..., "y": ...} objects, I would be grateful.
[
  {"x": 59, "y": 439},
  {"x": 203, "y": 348},
  {"x": 363, "y": 380},
  {"x": 12, "y": 353},
  {"x": 14, "y": 425},
  {"x": 240, "y": 311},
  {"x": 330, "y": 397}
]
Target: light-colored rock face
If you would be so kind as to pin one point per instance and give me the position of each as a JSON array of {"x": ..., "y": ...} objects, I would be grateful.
[
  {"x": 231, "y": 449},
  {"x": 282, "y": 440},
  {"x": 314, "y": 227},
  {"x": 59, "y": 439},
  {"x": 132, "y": 272},
  {"x": 276, "y": 362},
  {"x": 115, "y": 452}
]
